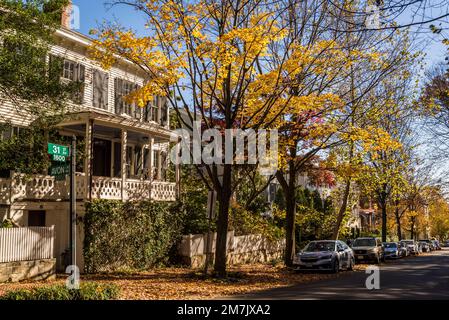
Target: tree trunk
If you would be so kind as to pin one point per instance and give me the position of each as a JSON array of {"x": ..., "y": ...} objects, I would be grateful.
[
  {"x": 398, "y": 221},
  {"x": 290, "y": 199},
  {"x": 224, "y": 198},
  {"x": 341, "y": 212},
  {"x": 384, "y": 221}
]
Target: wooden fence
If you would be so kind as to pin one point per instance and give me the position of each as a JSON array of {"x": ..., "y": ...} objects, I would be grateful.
[{"x": 26, "y": 244}]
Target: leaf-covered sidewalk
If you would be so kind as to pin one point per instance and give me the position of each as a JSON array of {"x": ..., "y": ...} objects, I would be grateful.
[{"x": 179, "y": 283}]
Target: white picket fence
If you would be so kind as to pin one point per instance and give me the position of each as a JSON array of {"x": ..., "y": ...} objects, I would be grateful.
[{"x": 26, "y": 244}]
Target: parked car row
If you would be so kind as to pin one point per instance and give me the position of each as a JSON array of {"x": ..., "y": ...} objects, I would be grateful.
[{"x": 336, "y": 255}]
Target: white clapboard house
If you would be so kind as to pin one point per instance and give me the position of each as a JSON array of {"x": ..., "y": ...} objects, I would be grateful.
[{"x": 126, "y": 147}]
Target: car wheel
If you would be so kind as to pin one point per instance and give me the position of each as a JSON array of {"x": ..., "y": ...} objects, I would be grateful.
[{"x": 336, "y": 266}]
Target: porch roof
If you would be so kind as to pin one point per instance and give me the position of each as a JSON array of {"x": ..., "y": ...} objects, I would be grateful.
[{"x": 108, "y": 119}]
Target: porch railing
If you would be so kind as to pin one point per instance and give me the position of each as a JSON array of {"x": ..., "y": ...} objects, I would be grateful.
[{"x": 38, "y": 187}]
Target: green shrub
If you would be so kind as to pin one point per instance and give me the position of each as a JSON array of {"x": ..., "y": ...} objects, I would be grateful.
[
  {"x": 132, "y": 235},
  {"x": 87, "y": 291},
  {"x": 245, "y": 222},
  {"x": 6, "y": 224}
]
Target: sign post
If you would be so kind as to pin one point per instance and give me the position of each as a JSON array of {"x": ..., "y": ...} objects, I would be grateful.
[
  {"x": 73, "y": 202},
  {"x": 60, "y": 169}
]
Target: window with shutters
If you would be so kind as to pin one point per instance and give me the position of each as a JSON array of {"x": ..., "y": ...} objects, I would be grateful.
[
  {"x": 100, "y": 89},
  {"x": 122, "y": 88},
  {"x": 70, "y": 71},
  {"x": 157, "y": 111}
]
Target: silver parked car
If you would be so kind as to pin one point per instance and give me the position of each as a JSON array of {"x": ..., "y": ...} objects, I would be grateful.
[
  {"x": 412, "y": 247},
  {"x": 330, "y": 255},
  {"x": 426, "y": 247},
  {"x": 403, "y": 251}
]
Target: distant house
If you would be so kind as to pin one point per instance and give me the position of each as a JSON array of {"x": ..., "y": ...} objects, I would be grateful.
[
  {"x": 364, "y": 218},
  {"x": 126, "y": 147}
]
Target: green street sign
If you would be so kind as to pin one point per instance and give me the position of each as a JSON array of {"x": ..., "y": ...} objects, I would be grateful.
[
  {"x": 58, "y": 150},
  {"x": 59, "y": 171}
]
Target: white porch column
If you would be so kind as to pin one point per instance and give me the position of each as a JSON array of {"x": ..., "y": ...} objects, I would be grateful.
[
  {"x": 124, "y": 164},
  {"x": 88, "y": 158},
  {"x": 159, "y": 165},
  {"x": 151, "y": 158}
]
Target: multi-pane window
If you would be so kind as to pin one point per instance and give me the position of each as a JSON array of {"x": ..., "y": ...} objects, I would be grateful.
[
  {"x": 122, "y": 89},
  {"x": 70, "y": 71},
  {"x": 157, "y": 111}
]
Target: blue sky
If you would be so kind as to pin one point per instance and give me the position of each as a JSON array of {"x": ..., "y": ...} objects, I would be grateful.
[{"x": 94, "y": 12}]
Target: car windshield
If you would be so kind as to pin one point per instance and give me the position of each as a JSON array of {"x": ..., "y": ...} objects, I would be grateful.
[
  {"x": 408, "y": 242},
  {"x": 390, "y": 245},
  {"x": 320, "y": 246},
  {"x": 364, "y": 243}
]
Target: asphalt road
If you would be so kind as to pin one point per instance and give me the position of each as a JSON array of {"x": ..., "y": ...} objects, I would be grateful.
[{"x": 421, "y": 277}]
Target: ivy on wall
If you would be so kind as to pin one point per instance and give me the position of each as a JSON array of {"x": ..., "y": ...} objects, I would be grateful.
[{"x": 131, "y": 235}]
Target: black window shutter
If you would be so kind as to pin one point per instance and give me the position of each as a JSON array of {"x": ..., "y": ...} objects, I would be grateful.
[
  {"x": 118, "y": 88},
  {"x": 96, "y": 89},
  {"x": 164, "y": 111},
  {"x": 81, "y": 73},
  {"x": 105, "y": 93},
  {"x": 100, "y": 89},
  {"x": 137, "y": 108},
  {"x": 80, "y": 76},
  {"x": 55, "y": 67}
]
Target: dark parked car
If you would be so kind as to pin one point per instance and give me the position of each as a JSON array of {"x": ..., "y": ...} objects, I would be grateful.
[
  {"x": 392, "y": 250},
  {"x": 368, "y": 249},
  {"x": 325, "y": 255},
  {"x": 445, "y": 244}
]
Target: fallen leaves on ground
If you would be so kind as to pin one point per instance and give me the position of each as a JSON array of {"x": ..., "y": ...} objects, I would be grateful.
[{"x": 182, "y": 283}]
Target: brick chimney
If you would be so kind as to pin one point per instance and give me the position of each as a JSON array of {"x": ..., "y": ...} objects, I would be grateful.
[{"x": 66, "y": 16}]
